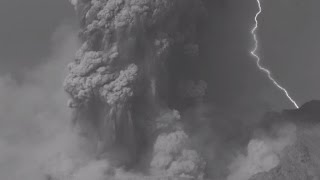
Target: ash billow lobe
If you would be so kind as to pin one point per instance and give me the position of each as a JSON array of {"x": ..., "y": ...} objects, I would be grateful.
[{"x": 118, "y": 82}]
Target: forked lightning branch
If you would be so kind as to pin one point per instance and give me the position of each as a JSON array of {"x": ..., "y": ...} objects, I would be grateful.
[{"x": 258, "y": 60}]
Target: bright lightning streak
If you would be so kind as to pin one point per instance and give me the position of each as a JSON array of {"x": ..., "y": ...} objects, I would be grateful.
[{"x": 263, "y": 69}]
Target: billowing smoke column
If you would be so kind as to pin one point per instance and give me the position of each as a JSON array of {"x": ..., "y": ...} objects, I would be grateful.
[{"x": 117, "y": 83}]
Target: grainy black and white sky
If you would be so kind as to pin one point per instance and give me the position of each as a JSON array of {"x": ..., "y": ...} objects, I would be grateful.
[
  {"x": 26, "y": 30},
  {"x": 289, "y": 36}
]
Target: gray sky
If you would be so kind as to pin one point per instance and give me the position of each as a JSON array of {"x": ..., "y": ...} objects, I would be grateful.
[
  {"x": 35, "y": 44},
  {"x": 290, "y": 43},
  {"x": 26, "y": 30},
  {"x": 289, "y": 46},
  {"x": 288, "y": 34}
]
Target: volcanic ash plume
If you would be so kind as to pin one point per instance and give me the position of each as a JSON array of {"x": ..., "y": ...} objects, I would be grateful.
[
  {"x": 118, "y": 85},
  {"x": 263, "y": 154}
]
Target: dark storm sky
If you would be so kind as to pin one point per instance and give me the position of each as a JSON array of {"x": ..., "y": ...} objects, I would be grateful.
[
  {"x": 26, "y": 30},
  {"x": 289, "y": 47},
  {"x": 289, "y": 43}
]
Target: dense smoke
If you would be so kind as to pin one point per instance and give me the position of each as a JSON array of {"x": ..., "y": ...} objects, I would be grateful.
[
  {"x": 35, "y": 121},
  {"x": 263, "y": 154},
  {"x": 122, "y": 69},
  {"x": 144, "y": 102},
  {"x": 127, "y": 80}
]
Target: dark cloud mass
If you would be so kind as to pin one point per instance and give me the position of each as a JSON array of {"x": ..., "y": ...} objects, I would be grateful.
[{"x": 157, "y": 90}]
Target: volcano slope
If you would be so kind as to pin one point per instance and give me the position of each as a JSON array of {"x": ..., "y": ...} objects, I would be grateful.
[{"x": 301, "y": 160}]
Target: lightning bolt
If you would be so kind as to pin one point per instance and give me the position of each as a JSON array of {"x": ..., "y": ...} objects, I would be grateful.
[{"x": 258, "y": 60}]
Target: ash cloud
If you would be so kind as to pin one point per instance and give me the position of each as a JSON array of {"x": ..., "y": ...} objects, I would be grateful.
[
  {"x": 122, "y": 69},
  {"x": 141, "y": 99},
  {"x": 263, "y": 153},
  {"x": 34, "y": 116},
  {"x": 154, "y": 93}
]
